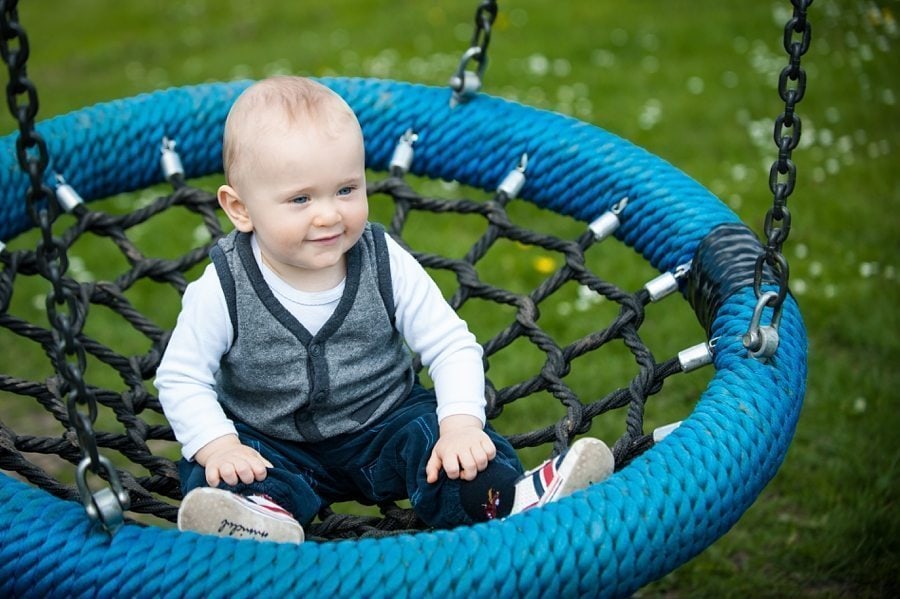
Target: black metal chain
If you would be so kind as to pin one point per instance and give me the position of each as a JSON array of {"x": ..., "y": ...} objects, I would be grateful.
[
  {"x": 484, "y": 21},
  {"x": 67, "y": 351},
  {"x": 783, "y": 173},
  {"x": 465, "y": 83}
]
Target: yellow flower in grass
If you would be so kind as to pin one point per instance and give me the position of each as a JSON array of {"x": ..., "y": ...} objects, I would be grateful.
[{"x": 544, "y": 264}]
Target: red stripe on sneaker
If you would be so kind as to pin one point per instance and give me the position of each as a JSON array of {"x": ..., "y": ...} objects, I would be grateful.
[
  {"x": 277, "y": 510},
  {"x": 265, "y": 502},
  {"x": 547, "y": 473}
]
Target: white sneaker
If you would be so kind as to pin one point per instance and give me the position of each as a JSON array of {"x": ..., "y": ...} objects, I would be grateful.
[
  {"x": 586, "y": 462},
  {"x": 218, "y": 512}
]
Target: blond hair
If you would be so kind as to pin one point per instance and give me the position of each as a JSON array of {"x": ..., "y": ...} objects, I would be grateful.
[{"x": 273, "y": 103}]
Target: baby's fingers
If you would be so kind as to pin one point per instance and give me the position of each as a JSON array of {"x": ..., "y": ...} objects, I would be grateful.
[
  {"x": 489, "y": 448},
  {"x": 246, "y": 470},
  {"x": 481, "y": 458},
  {"x": 259, "y": 467},
  {"x": 228, "y": 473},
  {"x": 212, "y": 476},
  {"x": 433, "y": 468},
  {"x": 470, "y": 465},
  {"x": 452, "y": 466}
]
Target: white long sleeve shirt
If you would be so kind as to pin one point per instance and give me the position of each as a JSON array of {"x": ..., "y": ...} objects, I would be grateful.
[{"x": 204, "y": 333}]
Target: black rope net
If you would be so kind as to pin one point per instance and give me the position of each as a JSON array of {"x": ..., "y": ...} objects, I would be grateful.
[{"x": 130, "y": 421}]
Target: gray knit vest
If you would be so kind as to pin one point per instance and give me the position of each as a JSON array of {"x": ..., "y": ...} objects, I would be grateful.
[{"x": 289, "y": 384}]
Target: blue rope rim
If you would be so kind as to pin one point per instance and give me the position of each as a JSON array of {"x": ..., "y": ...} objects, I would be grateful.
[{"x": 646, "y": 520}]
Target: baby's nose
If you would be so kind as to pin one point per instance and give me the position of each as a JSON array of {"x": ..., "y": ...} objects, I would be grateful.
[{"x": 327, "y": 214}]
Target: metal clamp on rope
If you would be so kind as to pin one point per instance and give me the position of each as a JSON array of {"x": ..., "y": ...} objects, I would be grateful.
[
  {"x": 66, "y": 195},
  {"x": 107, "y": 506},
  {"x": 170, "y": 161},
  {"x": 464, "y": 83},
  {"x": 403, "y": 154},
  {"x": 762, "y": 341},
  {"x": 667, "y": 283},
  {"x": 696, "y": 356},
  {"x": 513, "y": 182},
  {"x": 609, "y": 221},
  {"x": 664, "y": 431}
]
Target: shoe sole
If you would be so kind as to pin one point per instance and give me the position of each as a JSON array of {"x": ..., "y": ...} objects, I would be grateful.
[
  {"x": 216, "y": 512},
  {"x": 588, "y": 461}
]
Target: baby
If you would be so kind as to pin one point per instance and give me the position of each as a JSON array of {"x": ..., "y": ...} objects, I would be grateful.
[{"x": 287, "y": 379}]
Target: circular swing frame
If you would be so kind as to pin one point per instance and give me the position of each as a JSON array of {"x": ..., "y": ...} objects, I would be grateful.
[{"x": 665, "y": 507}]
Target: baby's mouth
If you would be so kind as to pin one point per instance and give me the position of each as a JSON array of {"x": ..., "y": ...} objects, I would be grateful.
[{"x": 326, "y": 238}]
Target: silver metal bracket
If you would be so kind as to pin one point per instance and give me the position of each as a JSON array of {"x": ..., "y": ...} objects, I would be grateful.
[
  {"x": 513, "y": 182},
  {"x": 696, "y": 356},
  {"x": 664, "y": 431},
  {"x": 609, "y": 221},
  {"x": 667, "y": 283},
  {"x": 66, "y": 196},
  {"x": 403, "y": 154},
  {"x": 170, "y": 161}
]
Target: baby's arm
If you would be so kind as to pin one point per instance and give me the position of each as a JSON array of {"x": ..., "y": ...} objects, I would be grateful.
[
  {"x": 186, "y": 383},
  {"x": 433, "y": 330},
  {"x": 227, "y": 459},
  {"x": 463, "y": 449}
]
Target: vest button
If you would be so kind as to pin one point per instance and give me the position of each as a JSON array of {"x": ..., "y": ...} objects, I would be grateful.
[{"x": 315, "y": 349}]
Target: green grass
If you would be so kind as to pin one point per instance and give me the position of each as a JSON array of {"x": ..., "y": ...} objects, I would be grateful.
[{"x": 693, "y": 82}]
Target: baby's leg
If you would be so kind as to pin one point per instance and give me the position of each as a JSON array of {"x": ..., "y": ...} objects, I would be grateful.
[
  {"x": 290, "y": 483},
  {"x": 407, "y": 438},
  {"x": 404, "y": 440},
  {"x": 491, "y": 494}
]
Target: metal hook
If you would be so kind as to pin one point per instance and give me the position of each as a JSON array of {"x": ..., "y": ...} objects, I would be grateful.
[
  {"x": 466, "y": 84},
  {"x": 762, "y": 341},
  {"x": 107, "y": 506},
  {"x": 619, "y": 206}
]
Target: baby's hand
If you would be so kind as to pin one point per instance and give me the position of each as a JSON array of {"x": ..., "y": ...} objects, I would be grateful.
[
  {"x": 463, "y": 449},
  {"x": 227, "y": 459}
]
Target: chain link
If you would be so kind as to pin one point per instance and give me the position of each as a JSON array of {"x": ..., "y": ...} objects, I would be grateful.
[
  {"x": 465, "y": 83},
  {"x": 485, "y": 15},
  {"x": 783, "y": 173},
  {"x": 67, "y": 351}
]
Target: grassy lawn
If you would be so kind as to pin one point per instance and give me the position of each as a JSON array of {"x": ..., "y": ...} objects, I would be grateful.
[{"x": 693, "y": 82}]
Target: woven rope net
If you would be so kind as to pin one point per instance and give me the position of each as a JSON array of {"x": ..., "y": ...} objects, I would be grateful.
[{"x": 134, "y": 429}]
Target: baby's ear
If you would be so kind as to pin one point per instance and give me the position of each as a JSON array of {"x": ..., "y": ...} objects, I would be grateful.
[{"x": 235, "y": 208}]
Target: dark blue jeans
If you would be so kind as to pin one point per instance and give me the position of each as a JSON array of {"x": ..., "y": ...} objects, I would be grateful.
[{"x": 385, "y": 462}]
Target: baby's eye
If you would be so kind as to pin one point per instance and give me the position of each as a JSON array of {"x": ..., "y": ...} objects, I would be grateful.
[
  {"x": 346, "y": 190},
  {"x": 300, "y": 199}
]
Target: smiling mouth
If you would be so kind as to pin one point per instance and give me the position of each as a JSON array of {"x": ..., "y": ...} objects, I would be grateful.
[{"x": 328, "y": 239}]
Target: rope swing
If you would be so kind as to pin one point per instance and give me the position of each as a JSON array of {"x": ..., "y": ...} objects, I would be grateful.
[{"x": 675, "y": 491}]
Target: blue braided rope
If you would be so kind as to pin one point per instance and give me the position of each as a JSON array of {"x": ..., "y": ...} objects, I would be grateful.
[{"x": 664, "y": 508}]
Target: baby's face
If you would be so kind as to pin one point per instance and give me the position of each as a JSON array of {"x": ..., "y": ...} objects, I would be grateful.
[{"x": 306, "y": 197}]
